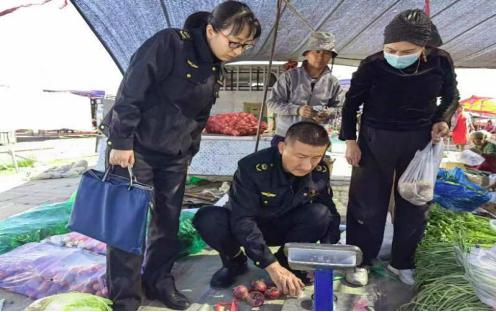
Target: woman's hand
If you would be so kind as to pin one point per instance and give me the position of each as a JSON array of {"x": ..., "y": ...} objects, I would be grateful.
[
  {"x": 123, "y": 158},
  {"x": 439, "y": 130},
  {"x": 353, "y": 153}
]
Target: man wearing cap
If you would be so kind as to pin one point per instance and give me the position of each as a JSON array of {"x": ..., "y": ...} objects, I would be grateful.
[{"x": 309, "y": 92}]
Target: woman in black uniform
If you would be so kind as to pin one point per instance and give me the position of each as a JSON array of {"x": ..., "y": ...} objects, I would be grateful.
[
  {"x": 398, "y": 88},
  {"x": 155, "y": 127}
]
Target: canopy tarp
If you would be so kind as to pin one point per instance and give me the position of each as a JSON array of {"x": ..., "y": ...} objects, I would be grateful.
[
  {"x": 466, "y": 26},
  {"x": 480, "y": 106}
]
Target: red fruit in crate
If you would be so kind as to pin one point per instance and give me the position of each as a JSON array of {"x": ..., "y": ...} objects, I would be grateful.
[
  {"x": 255, "y": 299},
  {"x": 272, "y": 293},
  {"x": 240, "y": 292},
  {"x": 259, "y": 285}
]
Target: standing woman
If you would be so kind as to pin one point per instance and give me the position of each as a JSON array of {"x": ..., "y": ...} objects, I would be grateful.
[
  {"x": 461, "y": 125},
  {"x": 398, "y": 88},
  {"x": 155, "y": 127}
]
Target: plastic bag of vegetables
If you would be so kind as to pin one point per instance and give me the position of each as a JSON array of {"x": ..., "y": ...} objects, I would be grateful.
[
  {"x": 38, "y": 270},
  {"x": 77, "y": 240},
  {"x": 190, "y": 240},
  {"x": 34, "y": 225},
  {"x": 454, "y": 191},
  {"x": 235, "y": 124},
  {"x": 416, "y": 184},
  {"x": 71, "y": 302},
  {"x": 480, "y": 271}
]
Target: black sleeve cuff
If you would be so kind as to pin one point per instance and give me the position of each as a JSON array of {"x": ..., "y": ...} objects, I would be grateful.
[
  {"x": 120, "y": 144},
  {"x": 267, "y": 260}
]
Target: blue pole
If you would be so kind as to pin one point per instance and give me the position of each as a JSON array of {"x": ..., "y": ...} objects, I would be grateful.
[{"x": 323, "y": 290}]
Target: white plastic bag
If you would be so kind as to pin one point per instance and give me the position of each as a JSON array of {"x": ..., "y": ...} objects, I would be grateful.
[
  {"x": 480, "y": 271},
  {"x": 471, "y": 158},
  {"x": 416, "y": 185}
]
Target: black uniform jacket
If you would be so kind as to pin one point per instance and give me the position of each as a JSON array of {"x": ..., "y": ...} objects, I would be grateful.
[
  {"x": 262, "y": 192},
  {"x": 165, "y": 97}
]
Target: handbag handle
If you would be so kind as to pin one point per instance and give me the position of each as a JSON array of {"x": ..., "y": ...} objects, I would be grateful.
[{"x": 132, "y": 178}]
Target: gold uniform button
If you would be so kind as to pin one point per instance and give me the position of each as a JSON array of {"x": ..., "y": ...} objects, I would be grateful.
[
  {"x": 109, "y": 143},
  {"x": 266, "y": 202},
  {"x": 188, "y": 75},
  {"x": 214, "y": 69},
  {"x": 257, "y": 263},
  {"x": 102, "y": 127}
]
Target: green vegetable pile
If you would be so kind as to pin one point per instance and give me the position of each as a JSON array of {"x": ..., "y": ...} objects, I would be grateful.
[
  {"x": 439, "y": 276},
  {"x": 34, "y": 225}
]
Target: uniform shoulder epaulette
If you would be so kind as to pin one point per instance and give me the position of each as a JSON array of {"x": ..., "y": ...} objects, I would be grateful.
[
  {"x": 184, "y": 34},
  {"x": 323, "y": 168},
  {"x": 261, "y": 167}
]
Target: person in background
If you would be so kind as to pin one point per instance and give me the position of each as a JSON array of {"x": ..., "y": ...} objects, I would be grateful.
[
  {"x": 489, "y": 126},
  {"x": 280, "y": 194},
  {"x": 481, "y": 144},
  {"x": 271, "y": 116},
  {"x": 309, "y": 92},
  {"x": 461, "y": 124},
  {"x": 398, "y": 88},
  {"x": 155, "y": 126}
]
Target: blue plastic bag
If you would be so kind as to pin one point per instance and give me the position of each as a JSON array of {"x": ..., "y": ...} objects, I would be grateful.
[{"x": 456, "y": 192}]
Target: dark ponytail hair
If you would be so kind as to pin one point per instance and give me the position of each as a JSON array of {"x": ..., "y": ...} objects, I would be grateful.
[
  {"x": 196, "y": 20},
  {"x": 237, "y": 15}
]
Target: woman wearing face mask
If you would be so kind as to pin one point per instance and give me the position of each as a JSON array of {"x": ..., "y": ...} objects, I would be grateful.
[
  {"x": 398, "y": 88},
  {"x": 155, "y": 127}
]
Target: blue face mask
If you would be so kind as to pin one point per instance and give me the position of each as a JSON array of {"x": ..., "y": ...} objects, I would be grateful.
[{"x": 402, "y": 61}]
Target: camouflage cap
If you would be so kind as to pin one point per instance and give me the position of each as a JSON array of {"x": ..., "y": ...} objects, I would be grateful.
[{"x": 321, "y": 41}]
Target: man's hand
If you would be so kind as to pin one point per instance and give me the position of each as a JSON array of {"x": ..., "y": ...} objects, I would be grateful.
[
  {"x": 123, "y": 158},
  {"x": 306, "y": 111},
  {"x": 353, "y": 153},
  {"x": 285, "y": 281},
  {"x": 321, "y": 117},
  {"x": 439, "y": 130}
]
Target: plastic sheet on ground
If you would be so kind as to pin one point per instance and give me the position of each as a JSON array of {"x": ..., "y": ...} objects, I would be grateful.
[
  {"x": 456, "y": 192},
  {"x": 71, "y": 302},
  {"x": 34, "y": 225},
  {"x": 38, "y": 270}
]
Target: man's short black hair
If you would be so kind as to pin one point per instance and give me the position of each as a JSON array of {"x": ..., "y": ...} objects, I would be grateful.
[{"x": 308, "y": 132}]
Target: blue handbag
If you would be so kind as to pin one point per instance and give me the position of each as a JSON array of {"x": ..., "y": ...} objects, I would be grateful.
[{"x": 112, "y": 209}]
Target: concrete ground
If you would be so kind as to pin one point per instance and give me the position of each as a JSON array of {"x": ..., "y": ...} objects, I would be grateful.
[{"x": 193, "y": 273}]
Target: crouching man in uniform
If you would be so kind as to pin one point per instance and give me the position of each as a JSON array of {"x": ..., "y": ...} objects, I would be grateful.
[{"x": 278, "y": 195}]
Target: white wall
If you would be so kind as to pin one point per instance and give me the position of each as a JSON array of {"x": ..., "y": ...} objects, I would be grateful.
[{"x": 232, "y": 101}]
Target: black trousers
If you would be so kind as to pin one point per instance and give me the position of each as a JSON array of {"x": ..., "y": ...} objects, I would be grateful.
[
  {"x": 124, "y": 279},
  {"x": 385, "y": 156},
  {"x": 305, "y": 224}
]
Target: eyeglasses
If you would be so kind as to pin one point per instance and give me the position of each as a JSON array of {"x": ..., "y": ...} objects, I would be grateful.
[{"x": 236, "y": 45}]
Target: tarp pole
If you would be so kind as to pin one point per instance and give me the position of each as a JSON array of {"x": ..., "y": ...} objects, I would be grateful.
[
  {"x": 267, "y": 79},
  {"x": 427, "y": 7}
]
